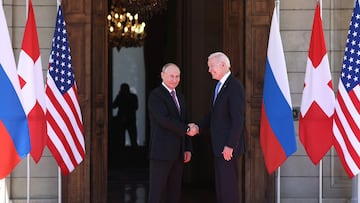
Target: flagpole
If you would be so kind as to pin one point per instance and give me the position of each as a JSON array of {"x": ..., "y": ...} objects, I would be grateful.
[
  {"x": 277, "y": 6},
  {"x": 28, "y": 178},
  {"x": 27, "y": 157},
  {"x": 320, "y": 181},
  {"x": 358, "y": 186},
  {"x": 59, "y": 185},
  {"x": 59, "y": 171},
  {"x": 321, "y": 164},
  {"x": 58, "y": 3},
  {"x": 26, "y": 7},
  {"x": 3, "y": 187},
  {"x": 278, "y": 186}
]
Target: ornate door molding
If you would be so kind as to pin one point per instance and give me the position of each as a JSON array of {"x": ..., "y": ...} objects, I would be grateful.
[
  {"x": 246, "y": 29},
  {"x": 88, "y": 42}
]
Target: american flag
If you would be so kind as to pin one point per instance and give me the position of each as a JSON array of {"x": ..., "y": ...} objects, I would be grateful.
[
  {"x": 346, "y": 126},
  {"x": 63, "y": 115}
]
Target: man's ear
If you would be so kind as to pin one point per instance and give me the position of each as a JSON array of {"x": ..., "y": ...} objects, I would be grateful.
[{"x": 223, "y": 64}]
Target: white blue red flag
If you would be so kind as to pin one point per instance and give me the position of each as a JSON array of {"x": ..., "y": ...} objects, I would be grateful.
[
  {"x": 277, "y": 133},
  {"x": 14, "y": 130},
  {"x": 32, "y": 86},
  {"x": 346, "y": 126},
  {"x": 318, "y": 99},
  {"x": 63, "y": 115}
]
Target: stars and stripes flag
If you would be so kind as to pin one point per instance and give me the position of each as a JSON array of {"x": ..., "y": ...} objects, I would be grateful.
[
  {"x": 32, "y": 86},
  {"x": 14, "y": 129},
  {"x": 63, "y": 114},
  {"x": 346, "y": 126},
  {"x": 318, "y": 99},
  {"x": 277, "y": 132}
]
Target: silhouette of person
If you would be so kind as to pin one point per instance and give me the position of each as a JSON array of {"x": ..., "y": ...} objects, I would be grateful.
[{"x": 127, "y": 104}]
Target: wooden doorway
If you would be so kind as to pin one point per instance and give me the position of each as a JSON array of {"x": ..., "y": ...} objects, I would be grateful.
[
  {"x": 241, "y": 31},
  {"x": 246, "y": 29},
  {"x": 85, "y": 24}
]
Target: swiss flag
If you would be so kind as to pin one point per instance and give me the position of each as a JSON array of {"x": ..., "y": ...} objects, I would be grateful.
[
  {"x": 318, "y": 99},
  {"x": 32, "y": 86}
]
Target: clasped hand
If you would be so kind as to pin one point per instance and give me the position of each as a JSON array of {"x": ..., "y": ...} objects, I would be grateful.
[{"x": 194, "y": 129}]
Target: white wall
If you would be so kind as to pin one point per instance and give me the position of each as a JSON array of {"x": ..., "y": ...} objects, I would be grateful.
[{"x": 299, "y": 177}]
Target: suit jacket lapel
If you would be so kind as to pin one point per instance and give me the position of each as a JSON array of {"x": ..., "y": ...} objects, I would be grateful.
[
  {"x": 170, "y": 99},
  {"x": 225, "y": 85}
]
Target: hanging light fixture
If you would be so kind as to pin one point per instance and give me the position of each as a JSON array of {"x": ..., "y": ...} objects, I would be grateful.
[
  {"x": 147, "y": 8},
  {"x": 125, "y": 29},
  {"x": 126, "y": 26}
]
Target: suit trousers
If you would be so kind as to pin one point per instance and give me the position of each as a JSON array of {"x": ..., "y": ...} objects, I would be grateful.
[
  {"x": 165, "y": 181},
  {"x": 226, "y": 180}
]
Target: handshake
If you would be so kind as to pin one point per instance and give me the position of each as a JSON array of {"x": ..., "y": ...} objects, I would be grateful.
[{"x": 193, "y": 129}]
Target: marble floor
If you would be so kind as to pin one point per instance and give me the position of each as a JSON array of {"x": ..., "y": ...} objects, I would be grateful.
[
  {"x": 131, "y": 186},
  {"x": 128, "y": 181}
]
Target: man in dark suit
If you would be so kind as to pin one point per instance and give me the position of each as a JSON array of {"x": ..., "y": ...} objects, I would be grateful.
[
  {"x": 170, "y": 147},
  {"x": 226, "y": 124}
]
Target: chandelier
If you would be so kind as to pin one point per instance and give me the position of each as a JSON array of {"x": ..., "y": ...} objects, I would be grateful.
[
  {"x": 126, "y": 26},
  {"x": 125, "y": 30},
  {"x": 146, "y": 8}
]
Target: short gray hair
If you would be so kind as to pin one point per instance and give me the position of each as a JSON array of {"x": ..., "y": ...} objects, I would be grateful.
[
  {"x": 220, "y": 57},
  {"x": 167, "y": 65}
]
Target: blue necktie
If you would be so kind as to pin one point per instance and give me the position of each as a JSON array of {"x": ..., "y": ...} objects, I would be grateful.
[{"x": 217, "y": 90}]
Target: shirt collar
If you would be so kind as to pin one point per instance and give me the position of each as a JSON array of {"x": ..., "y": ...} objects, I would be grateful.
[
  {"x": 223, "y": 79},
  {"x": 167, "y": 87}
]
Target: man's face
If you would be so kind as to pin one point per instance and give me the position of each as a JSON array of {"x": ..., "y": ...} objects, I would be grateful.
[
  {"x": 216, "y": 69},
  {"x": 171, "y": 76}
]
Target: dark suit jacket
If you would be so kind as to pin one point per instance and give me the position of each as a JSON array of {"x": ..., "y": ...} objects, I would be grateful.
[
  {"x": 168, "y": 138},
  {"x": 226, "y": 119}
]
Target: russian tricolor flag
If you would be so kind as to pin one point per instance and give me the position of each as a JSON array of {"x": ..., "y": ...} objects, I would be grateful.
[
  {"x": 277, "y": 132},
  {"x": 14, "y": 130}
]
